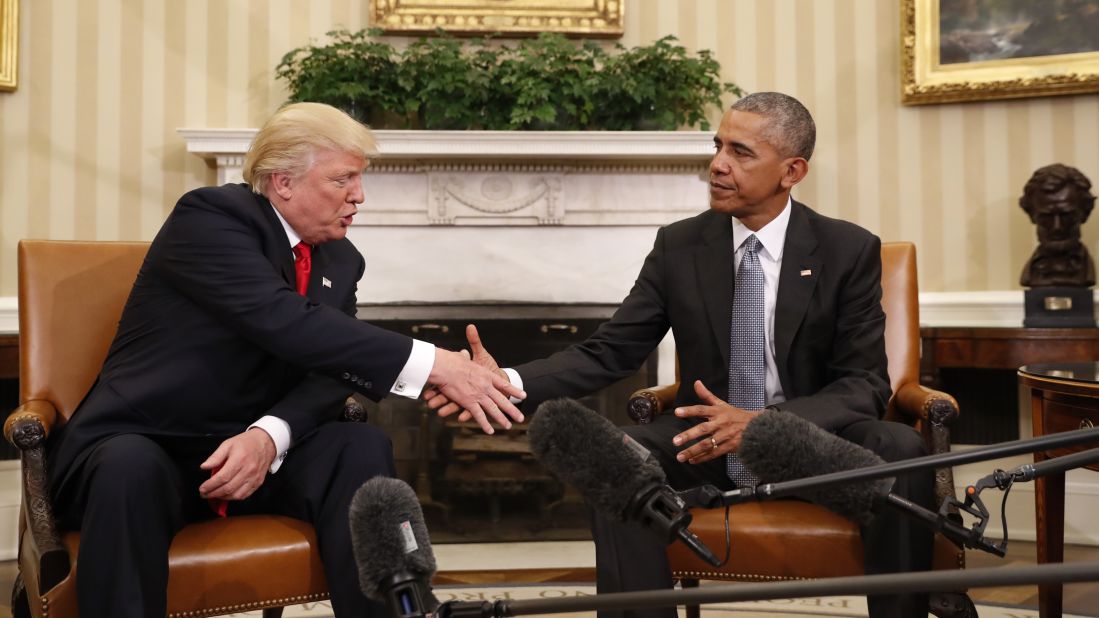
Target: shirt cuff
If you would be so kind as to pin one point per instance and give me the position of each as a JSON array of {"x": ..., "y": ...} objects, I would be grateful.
[
  {"x": 279, "y": 430},
  {"x": 413, "y": 377},
  {"x": 516, "y": 381}
]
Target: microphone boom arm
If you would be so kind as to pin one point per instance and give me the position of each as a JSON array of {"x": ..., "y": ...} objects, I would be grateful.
[
  {"x": 890, "y": 583},
  {"x": 768, "y": 491},
  {"x": 945, "y": 520}
]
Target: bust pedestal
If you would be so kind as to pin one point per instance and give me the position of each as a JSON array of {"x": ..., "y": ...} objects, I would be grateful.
[{"x": 1059, "y": 307}]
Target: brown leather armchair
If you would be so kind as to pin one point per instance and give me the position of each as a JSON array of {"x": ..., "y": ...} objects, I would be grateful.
[
  {"x": 787, "y": 539},
  {"x": 71, "y": 296}
]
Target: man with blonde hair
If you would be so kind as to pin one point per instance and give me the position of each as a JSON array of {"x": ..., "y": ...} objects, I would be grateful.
[{"x": 235, "y": 352}]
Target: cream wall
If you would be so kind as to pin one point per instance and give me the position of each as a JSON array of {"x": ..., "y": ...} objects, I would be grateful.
[{"x": 90, "y": 150}]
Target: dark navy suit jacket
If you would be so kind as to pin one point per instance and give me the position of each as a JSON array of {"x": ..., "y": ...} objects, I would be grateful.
[
  {"x": 829, "y": 324},
  {"x": 213, "y": 335}
]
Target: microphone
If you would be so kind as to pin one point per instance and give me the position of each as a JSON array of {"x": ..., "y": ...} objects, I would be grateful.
[
  {"x": 780, "y": 446},
  {"x": 617, "y": 476},
  {"x": 391, "y": 546},
  {"x": 788, "y": 453}
]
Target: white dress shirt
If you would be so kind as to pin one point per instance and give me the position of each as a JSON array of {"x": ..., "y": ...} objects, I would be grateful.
[{"x": 410, "y": 382}]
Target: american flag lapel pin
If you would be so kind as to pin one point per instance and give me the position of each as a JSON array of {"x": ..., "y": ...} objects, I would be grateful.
[
  {"x": 326, "y": 282},
  {"x": 806, "y": 273}
]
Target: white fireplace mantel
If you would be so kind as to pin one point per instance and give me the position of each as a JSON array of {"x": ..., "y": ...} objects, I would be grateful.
[{"x": 513, "y": 178}]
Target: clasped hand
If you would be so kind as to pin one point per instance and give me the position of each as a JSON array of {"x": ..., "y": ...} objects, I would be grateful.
[
  {"x": 492, "y": 402},
  {"x": 718, "y": 435},
  {"x": 477, "y": 386}
]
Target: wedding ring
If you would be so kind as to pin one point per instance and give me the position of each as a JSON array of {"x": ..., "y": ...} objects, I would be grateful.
[{"x": 713, "y": 443}]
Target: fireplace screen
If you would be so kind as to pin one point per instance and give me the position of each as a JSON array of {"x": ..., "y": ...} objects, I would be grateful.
[{"x": 475, "y": 487}]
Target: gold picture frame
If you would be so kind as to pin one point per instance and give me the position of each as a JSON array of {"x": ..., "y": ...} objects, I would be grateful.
[
  {"x": 9, "y": 43},
  {"x": 589, "y": 18},
  {"x": 975, "y": 76}
]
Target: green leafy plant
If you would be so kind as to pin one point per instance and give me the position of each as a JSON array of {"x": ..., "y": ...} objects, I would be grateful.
[
  {"x": 544, "y": 83},
  {"x": 352, "y": 72},
  {"x": 441, "y": 87},
  {"x": 551, "y": 82},
  {"x": 659, "y": 87}
]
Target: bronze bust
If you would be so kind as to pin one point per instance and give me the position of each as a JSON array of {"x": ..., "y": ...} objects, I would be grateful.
[{"x": 1058, "y": 200}]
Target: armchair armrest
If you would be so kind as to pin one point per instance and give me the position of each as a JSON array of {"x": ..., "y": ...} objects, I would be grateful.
[
  {"x": 27, "y": 428},
  {"x": 919, "y": 402},
  {"x": 353, "y": 411},
  {"x": 644, "y": 404},
  {"x": 29, "y": 424},
  {"x": 937, "y": 410}
]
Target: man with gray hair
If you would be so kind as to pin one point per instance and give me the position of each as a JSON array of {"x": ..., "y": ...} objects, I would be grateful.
[
  {"x": 772, "y": 306},
  {"x": 235, "y": 352}
]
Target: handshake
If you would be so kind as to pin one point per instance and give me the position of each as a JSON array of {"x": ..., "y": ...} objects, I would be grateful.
[{"x": 475, "y": 386}]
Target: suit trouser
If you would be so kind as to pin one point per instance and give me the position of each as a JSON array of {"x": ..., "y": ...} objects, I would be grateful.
[
  {"x": 630, "y": 558},
  {"x": 133, "y": 493}
]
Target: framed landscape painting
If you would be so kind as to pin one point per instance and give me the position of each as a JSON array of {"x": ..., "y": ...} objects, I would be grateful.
[
  {"x": 590, "y": 18},
  {"x": 972, "y": 50}
]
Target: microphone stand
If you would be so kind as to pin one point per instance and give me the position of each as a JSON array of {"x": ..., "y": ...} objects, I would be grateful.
[
  {"x": 944, "y": 520},
  {"x": 891, "y": 583}
]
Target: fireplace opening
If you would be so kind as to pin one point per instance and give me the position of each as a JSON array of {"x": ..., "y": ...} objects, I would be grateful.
[{"x": 479, "y": 488}]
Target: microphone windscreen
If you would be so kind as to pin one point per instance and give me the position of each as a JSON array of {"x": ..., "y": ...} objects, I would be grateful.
[
  {"x": 388, "y": 535},
  {"x": 593, "y": 456},
  {"x": 780, "y": 446}
]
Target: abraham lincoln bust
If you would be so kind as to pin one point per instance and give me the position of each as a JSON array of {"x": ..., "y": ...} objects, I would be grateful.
[{"x": 1058, "y": 200}]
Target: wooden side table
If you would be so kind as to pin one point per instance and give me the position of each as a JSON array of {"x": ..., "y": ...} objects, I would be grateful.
[
  {"x": 1001, "y": 348},
  {"x": 1063, "y": 397},
  {"x": 9, "y": 356}
]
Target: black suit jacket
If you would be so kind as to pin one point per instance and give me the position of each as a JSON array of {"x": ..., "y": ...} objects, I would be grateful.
[
  {"x": 213, "y": 335},
  {"x": 829, "y": 324}
]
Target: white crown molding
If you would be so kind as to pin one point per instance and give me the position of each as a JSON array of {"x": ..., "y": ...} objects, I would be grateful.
[
  {"x": 9, "y": 314},
  {"x": 989, "y": 308},
  {"x": 682, "y": 146}
]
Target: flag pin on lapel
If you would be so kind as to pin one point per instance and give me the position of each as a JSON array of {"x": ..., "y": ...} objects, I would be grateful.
[
  {"x": 806, "y": 272},
  {"x": 326, "y": 282}
]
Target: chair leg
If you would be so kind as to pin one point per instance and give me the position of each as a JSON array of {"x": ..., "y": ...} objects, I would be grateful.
[
  {"x": 693, "y": 611},
  {"x": 952, "y": 605},
  {"x": 272, "y": 612},
  {"x": 20, "y": 605}
]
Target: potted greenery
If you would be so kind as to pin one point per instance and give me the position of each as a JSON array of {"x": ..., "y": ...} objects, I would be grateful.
[
  {"x": 442, "y": 88},
  {"x": 352, "y": 72},
  {"x": 548, "y": 83},
  {"x": 658, "y": 87},
  {"x": 544, "y": 83}
]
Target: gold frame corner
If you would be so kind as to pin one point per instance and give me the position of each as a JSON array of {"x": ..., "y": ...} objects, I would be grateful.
[{"x": 925, "y": 81}]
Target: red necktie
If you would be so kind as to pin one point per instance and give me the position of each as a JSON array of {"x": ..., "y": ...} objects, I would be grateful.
[
  {"x": 220, "y": 506},
  {"x": 303, "y": 263}
]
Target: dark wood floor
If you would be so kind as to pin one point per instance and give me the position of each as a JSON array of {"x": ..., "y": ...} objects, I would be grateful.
[{"x": 1079, "y": 598}]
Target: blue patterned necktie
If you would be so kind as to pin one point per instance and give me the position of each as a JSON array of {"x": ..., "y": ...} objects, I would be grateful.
[{"x": 747, "y": 367}]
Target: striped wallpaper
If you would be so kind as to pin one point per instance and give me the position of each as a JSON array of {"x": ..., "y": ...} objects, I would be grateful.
[{"x": 90, "y": 150}]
